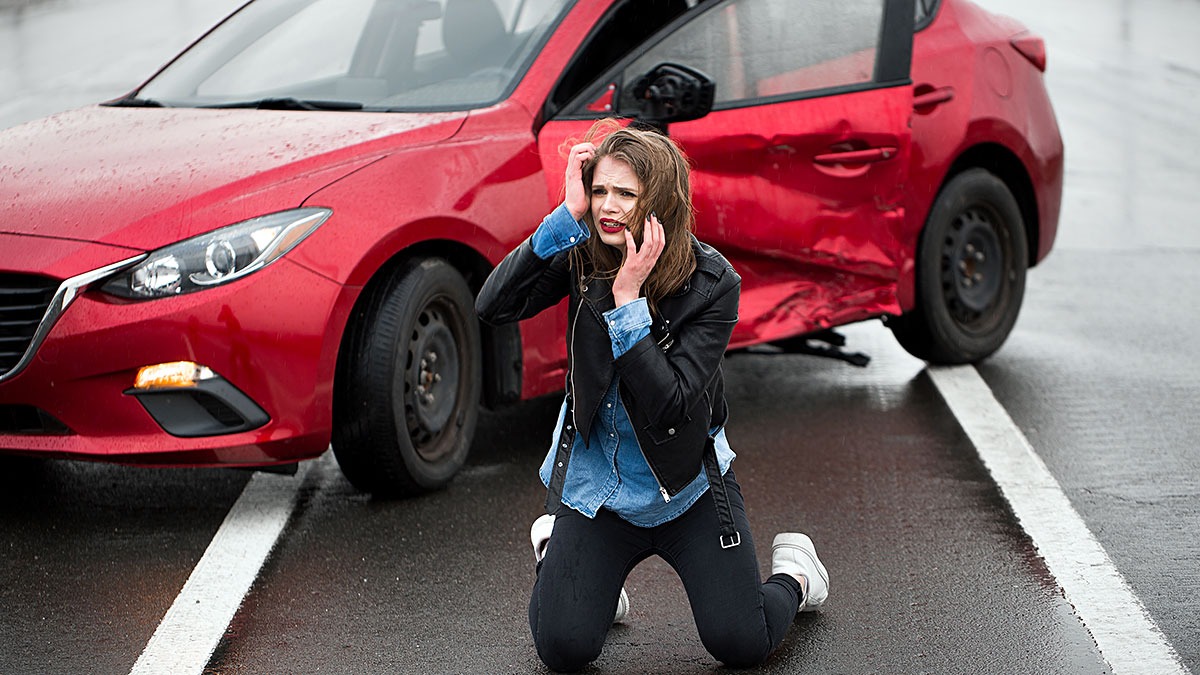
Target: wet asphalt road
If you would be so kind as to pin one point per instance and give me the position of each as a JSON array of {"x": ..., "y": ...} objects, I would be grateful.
[
  {"x": 930, "y": 572},
  {"x": 92, "y": 555},
  {"x": 927, "y": 558},
  {"x": 1103, "y": 380}
]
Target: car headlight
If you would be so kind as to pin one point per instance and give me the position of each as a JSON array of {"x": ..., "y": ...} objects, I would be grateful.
[{"x": 216, "y": 257}]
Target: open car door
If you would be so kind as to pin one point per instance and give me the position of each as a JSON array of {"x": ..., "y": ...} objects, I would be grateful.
[{"x": 799, "y": 166}]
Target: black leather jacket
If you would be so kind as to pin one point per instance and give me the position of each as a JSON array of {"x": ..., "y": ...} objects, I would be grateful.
[{"x": 671, "y": 381}]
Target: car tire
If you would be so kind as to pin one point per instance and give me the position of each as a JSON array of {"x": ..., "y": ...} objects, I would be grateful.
[
  {"x": 409, "y": 382},
  {"x": 970, "y": 272}
]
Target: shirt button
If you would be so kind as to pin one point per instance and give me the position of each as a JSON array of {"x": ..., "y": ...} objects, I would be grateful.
[
  {"x": 610, "y": 405},
  {"x": 565, "y": 445},
  {"x": 671, "y": 432},
  {"x": 572, "y": 240},
  {"x": 568, "y": 427},
  {"x": 612, "y": 323},
  {"x": 611, "y": 434},
  {"x": 560, "y": 463}
]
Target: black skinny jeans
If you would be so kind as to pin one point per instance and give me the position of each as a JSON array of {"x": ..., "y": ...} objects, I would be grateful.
[{"x": 741, "y": 620}]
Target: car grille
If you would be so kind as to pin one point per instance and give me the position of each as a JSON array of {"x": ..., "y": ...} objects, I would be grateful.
[{"x": 23, "y": 302}]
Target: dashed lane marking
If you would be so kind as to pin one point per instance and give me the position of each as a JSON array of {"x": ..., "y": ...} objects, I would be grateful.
[
  {"x": 1128, "y": 638},
  {"x": 193, "y": 626}
]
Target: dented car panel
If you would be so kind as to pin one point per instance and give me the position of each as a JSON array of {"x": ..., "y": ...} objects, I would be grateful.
[{"x": 800, "y": 194}]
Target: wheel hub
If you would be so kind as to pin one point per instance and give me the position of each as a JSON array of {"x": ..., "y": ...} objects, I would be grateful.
[
  {"x": 433, "y": 372},
  {"x": 973, "y": 263}
]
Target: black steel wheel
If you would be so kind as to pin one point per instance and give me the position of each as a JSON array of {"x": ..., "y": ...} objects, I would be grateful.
[
  {"x": 409, "y": 381},
  {"x": 971, "y": 262}
]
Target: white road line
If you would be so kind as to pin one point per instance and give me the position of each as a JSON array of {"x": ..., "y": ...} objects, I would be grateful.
[
  {"x": 195, "y": 623},
  {"x": 1128, "y": 638}
]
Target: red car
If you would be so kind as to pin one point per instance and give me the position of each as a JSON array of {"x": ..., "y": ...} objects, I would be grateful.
[{"x": 275, "y": 242}]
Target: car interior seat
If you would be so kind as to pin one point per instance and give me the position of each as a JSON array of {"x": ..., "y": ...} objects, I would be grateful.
[{"x": 474, "y": 35}]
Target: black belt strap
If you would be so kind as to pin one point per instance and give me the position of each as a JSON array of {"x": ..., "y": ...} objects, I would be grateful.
[{"x": 730, "y": 536}]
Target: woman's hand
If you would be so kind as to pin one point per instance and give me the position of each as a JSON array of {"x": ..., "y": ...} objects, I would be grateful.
[
  {"x": 638, "y": 263},
  {"x": 578, "y": 195}
]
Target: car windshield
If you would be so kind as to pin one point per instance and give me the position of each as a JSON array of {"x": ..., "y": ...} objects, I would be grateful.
[{"x": 358, "y": 54}]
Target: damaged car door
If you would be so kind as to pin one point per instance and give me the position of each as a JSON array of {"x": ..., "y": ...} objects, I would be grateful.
[{"x": 798, "y": 169}]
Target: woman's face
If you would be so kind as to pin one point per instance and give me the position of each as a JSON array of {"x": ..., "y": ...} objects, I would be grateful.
[{"x": 615, "y": 190}]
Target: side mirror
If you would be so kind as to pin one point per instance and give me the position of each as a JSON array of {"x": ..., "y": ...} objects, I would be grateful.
[{"x": 673, "y": 93}]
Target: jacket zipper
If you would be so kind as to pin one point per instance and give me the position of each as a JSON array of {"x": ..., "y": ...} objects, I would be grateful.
[
  {"x": 661, "y": 490},
  {"x": 574, "y": 323}
]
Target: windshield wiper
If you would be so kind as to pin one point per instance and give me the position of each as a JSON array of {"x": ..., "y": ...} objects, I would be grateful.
[
  {"x": 132, "y": 102},
  {"x": 290, "y": 104}
]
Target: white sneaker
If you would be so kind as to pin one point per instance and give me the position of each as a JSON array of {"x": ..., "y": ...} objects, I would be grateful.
[
  {"x": 539, "y": 536},
  {"x": 793, "y": 553},
  {"x": 622, "y": 607}
]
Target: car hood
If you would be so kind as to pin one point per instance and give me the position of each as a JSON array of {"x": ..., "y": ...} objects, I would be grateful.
[{"x": 147, "y": 177}]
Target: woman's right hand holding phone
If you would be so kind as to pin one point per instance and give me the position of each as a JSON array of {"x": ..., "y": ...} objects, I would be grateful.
[{"x": 578, "y": 199}]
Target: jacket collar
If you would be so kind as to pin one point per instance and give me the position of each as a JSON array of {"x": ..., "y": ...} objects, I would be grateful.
[{"x": 598, "y": 293}]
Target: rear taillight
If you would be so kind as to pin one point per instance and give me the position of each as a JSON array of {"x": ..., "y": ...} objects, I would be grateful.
[{"x": 1031, "y": 47}]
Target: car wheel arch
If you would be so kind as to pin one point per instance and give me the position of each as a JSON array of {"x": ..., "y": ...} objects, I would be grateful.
[
  {"x": 501, "y": 345},
  {"x": 955, "y": 321},
  {"x": 1006, "y": 165}
]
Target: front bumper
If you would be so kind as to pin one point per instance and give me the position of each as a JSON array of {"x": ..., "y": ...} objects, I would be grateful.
[{"x": 272, "y": 336}]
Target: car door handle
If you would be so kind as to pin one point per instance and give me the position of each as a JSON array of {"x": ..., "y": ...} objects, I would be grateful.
[
  {"x": 856, "y": 156},
  {"x": 931, "y": 98}
]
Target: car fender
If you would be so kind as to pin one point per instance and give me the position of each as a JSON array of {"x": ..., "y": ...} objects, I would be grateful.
[
  {"x": 395, "y": 206},
  {"x": 1035, "y": 180}
]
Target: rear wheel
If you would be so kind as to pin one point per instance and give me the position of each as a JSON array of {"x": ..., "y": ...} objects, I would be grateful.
[
  {"x": 409, "y": 382},
  {"x": 971, "y": 263}
]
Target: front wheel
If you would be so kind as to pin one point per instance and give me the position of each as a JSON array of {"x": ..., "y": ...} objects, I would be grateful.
[
  {"x": 970, "y": 269},
  {"x": 409, "y": 381}
]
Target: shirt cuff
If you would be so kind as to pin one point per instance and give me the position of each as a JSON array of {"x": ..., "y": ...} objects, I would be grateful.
[
  {"x": 558, "y": 232},
  {"x": 627, "y": 324}
]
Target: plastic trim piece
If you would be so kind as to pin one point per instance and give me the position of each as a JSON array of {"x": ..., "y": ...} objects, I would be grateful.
[
  {"x": 22, "y": 420},
  {"x": 929, "y": 17},
  {"x": 181, "y": 412},
  {"x": 765, "y": 100},
  {"x": 893, "y": 61}
]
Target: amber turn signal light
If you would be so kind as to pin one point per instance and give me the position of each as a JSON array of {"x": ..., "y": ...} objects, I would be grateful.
[{"x": 175, "y": 374}]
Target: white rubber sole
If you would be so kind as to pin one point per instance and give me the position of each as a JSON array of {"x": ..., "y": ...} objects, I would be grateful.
[{"x": 818, "y": 577}]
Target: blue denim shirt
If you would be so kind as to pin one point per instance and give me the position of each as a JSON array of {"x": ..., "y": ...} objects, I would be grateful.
[{"x": 611, "y": 471}]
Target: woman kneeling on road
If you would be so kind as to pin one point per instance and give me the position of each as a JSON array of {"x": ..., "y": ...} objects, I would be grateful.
[{"x": 640, "y": 464}]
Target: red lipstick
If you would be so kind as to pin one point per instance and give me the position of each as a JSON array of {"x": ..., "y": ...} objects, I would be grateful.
[{"x": 611, "y": 226}]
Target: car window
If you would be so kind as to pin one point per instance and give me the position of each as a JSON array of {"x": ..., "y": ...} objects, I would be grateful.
[
  {"x": 754, "y": 49},
  {"x": 314, "y": 43},
  {"x": 621, "y": 30},
  {"x": 383, "y": 54}
]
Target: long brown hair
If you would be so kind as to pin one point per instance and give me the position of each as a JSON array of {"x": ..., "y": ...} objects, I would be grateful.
[{"x": 662, "y": 172}]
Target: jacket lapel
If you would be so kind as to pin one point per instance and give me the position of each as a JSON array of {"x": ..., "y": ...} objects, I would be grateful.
[
  {"x": 593, "y": 372},
  {"x": 599, "y": 298}
]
